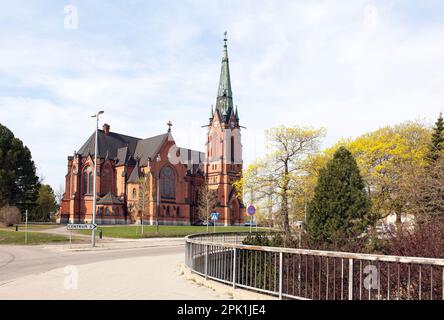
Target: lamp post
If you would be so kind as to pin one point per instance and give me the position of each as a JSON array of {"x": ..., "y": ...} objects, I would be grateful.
[
  {"x": 158, "y": 159},
  {"x": 93, "y": 237}
]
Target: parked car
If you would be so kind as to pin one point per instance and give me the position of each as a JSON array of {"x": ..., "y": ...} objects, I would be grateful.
[
  {"x": 202, "y": 223},
  {"x": 253, "y": 223}
]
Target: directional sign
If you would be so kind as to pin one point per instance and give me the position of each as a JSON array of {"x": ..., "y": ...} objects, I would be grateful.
[
  {"x": 86, "y": 226},
  {"x": 251, "y": 210},
  {"x": 214, "y": 216}
]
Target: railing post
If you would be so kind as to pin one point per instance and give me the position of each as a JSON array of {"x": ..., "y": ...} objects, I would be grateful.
[
  {"x": 234, "y": 268},
  {"x": 350, "y": 279},
  {"x": 281, "y": 255},
  {"x": 206, "y": 262}
]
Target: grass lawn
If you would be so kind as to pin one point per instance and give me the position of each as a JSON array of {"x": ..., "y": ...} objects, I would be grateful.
[
  {"x": 10, "y": 236},
  {"x": 134, "y": 232}
]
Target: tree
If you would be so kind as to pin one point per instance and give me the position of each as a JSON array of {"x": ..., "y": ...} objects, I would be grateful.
[
  {"x": 206, "y": 203},
  {"x": 143, "y": 201},
  {"x": 289, "y": 148},
  {"x": 46, "y": 204},
  {"x": 274, "y": 180},
  {"x": 340, "y": 208},
  {"x": 19, "y": 183},
  {"x": 437, "y": 144},
  {"x": 390, "y": 160},
  {"x": 428, "y": 193}
]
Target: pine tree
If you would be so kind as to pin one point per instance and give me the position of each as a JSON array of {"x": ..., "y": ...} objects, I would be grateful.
[
  {"x": 340, "y": 208},
  {"x": 19, "y": 183},
  {"x": 437, "y": 145}
]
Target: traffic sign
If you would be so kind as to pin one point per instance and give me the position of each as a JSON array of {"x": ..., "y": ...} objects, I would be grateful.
[
  {"x": 214, "y": 216},
  {"x": 251, "y": 210},
  {"x": 85, "y": 226}
]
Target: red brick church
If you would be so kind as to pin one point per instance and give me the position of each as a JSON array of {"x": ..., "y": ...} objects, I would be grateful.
[{"x": 176, "y": 172}]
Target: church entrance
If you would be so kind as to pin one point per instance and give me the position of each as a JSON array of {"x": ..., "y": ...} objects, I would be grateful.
[{"x": 235, "y": 217}]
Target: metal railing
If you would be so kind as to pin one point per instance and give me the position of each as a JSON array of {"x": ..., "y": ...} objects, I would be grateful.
[{"x": 313, "y": 274}]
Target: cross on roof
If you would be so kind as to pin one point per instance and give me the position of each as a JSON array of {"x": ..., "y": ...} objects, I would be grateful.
[{"x": 169, "y": 124}]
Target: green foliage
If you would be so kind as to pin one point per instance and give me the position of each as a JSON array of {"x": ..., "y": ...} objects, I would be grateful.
[
  {"x": 437, "y": 144},
  {"x": 45, "y": 205},
  {"x": 19, "y": 183},
  {"x": 340, "y": 208}
]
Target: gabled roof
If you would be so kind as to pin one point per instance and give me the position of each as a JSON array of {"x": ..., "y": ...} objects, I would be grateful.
[
  {"x": 135, "y": 174},
  {"x": 108, "y": 143},
  {"x": 148, "y": 148},
  {"x": 109, "y": 198}
]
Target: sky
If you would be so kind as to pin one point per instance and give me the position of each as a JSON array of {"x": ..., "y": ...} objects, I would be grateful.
[{"x": 348, "y": 66}]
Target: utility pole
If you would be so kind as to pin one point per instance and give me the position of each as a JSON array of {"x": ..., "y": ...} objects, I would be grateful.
[{"x": 93, "y": 236}]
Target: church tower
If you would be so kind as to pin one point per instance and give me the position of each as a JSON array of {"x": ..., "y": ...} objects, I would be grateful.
[{"x": 224, "y": 149}]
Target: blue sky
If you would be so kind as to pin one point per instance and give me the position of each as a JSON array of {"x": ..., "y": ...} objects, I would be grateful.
[{"x": 349, "y": 66}]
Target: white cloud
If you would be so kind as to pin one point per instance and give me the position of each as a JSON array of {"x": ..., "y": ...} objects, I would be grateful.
[{"x": 349, "y": 66}]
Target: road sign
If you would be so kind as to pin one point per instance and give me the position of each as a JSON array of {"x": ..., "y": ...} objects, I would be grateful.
[
  {"x": 251, "y": 210},
  {"x": 85, "y": 226},
  {"x": 214, "y": 216}
]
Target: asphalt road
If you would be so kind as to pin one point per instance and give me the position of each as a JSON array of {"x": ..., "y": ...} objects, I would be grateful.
[{"x": 18, "y": 261}]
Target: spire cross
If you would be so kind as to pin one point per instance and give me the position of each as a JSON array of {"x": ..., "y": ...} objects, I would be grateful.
[{"x": 169, "y": 124}]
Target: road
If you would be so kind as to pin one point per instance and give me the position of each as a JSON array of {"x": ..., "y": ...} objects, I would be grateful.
[
  {"x": 17, "y": 261},
  {"x": 117, "y": 272}
]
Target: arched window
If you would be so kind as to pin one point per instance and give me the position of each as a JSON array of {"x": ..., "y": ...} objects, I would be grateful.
[
  {"x": 167, "y": 183},
  {"x": 91, "y": 181},
  {"x": 134, "y": 193},
  {"x": 107, "y": 179},
  {"x": 87, "y": 180}
]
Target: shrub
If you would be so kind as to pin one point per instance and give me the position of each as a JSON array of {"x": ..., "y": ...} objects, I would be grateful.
[{"x": 9, "y": 215}]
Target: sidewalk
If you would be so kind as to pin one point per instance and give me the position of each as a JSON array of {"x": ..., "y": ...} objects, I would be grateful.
[{"x": 154, "y": 277}]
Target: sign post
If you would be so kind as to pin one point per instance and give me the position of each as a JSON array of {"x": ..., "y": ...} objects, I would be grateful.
[
  {"x": 26, "y": 227},
  {"x": 251, "y": 210},
  {"x": 214, "y": 218}
]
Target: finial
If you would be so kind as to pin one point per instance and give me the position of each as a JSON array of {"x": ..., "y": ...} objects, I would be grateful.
[
  {"x": 169, "y": 124},
  {"x": 225, "y": 38}
]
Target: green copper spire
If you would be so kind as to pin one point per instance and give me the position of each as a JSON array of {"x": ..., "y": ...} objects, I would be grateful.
[{"x": 224, "y": 102}]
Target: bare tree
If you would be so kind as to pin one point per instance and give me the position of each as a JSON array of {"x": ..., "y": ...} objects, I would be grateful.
[
  {"x": 207, "y": 202},
  {"x": 143, "y": 200}
]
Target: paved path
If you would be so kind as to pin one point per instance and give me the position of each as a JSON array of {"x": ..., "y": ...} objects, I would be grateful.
[{"x": 150, "y": 271}]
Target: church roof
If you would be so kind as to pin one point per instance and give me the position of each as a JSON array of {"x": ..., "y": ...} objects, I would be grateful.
[
  {"x": 224, "y": 101},
  {"x": 109, "y": 198},
  {"x": 108, "y": 144},
  {"x": 148, "y": 148},
  {"x": 135, "y": 174}
]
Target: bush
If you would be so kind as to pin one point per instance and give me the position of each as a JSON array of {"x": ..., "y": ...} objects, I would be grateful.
[
  {"x": 424, "y": 240},
  {"x": 9, "y": 215}
]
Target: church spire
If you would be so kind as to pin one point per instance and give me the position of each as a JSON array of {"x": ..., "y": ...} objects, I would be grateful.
[{"x": 224, "y": 102}]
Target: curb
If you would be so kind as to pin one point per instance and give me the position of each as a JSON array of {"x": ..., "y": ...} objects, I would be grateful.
[{"x": 235, "y": 294}]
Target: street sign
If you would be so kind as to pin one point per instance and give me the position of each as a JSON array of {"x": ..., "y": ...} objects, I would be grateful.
[
  {"x": 214, "y": 216},
  {"x": 86, "y": 226},
  {"x": 251, "y": 210}
]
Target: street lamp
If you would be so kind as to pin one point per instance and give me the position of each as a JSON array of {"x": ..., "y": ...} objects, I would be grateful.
[
  {"x": 93, "y": 237},
  {"x": 158, "y": 159}
]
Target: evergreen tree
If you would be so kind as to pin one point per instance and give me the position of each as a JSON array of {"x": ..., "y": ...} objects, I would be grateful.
[
  {"x": 340, "y": 208},
  {"x": 18, "y": 181},
  {"x": 437, "y": 145}
]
